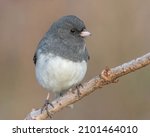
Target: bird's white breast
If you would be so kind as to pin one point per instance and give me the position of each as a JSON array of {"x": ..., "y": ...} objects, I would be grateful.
[{"x": 58, "y": 74}]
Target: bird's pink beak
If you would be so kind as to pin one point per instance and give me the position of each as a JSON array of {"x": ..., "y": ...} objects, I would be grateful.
[{"x": 85, "y": 33}]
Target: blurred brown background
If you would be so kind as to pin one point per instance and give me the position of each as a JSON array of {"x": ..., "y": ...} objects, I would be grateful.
[{"x": 120, "y": 32}]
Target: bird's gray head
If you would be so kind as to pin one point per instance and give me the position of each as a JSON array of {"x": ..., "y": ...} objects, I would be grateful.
[{"x": 69, "y": 27}]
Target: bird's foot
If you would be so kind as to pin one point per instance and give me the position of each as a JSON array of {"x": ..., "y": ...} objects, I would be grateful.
[
  {"x": 45, "y": 106},
  {"x": 78, "y": 89}
]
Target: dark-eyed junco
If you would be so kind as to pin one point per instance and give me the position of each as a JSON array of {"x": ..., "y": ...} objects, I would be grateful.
[{"x": 61, "y": 56}]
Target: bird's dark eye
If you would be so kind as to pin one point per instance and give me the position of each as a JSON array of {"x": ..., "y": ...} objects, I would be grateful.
[
  {"x": 73, "y": 30},
  {"x": 83, "y": 29}
]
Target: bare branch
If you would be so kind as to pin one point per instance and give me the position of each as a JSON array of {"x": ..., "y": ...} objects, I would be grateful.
[{"x": 107, "y": 76}]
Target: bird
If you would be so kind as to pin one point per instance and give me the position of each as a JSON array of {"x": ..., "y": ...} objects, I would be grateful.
[{"x": 61, "y": 56}]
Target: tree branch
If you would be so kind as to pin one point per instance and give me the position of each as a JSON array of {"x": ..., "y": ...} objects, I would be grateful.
[{"x": 107, "y": 76}]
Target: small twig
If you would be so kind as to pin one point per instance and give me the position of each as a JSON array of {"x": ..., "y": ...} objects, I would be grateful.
[{"x": 107, "y": 76}]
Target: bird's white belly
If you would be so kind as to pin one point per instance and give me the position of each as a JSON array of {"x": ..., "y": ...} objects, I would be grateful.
[{"x": 57, "y": 74}]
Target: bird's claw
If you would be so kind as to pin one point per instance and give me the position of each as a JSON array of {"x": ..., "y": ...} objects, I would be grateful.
[
  {"x": 45, "y": 107},
  {"x": 78, "y": 90}
]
